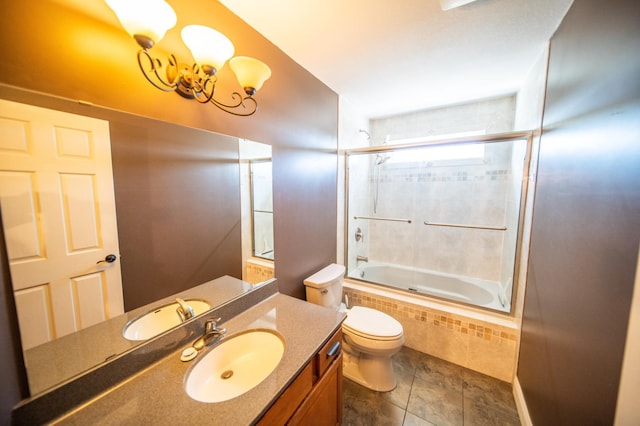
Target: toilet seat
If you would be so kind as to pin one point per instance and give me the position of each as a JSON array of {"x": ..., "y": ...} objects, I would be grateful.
[{"x": 372, "y": 324}]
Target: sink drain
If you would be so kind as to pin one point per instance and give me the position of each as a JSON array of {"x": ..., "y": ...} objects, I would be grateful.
[{"x": 226, "y": 374}]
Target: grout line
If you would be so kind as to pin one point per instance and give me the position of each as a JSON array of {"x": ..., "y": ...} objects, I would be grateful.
[
  {"x": 462, "y": 397},
  {"x": 460, "y": 371},
  {"x": 413, "y": 380}
]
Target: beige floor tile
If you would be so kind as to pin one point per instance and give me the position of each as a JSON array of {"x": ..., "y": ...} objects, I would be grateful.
[
  {"x": 431, "y": 391},
  {"x": 412, "y": 420},
  {"x": 436, "y": 404},
  {"x": 367, "y": 408}
]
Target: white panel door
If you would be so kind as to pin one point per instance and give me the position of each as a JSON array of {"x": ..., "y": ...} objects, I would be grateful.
[{"x": 58, "y": 209}]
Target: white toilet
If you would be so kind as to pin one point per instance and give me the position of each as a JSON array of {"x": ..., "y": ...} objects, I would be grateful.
[{"x": 370, "y": 336}]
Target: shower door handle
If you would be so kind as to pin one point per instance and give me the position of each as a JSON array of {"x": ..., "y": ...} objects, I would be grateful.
[
  {"x": 388, "y": 219},
  {"x": 458, "y": 225}
]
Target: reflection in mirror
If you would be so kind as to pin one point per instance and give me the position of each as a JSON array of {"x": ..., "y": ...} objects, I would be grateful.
[
  {"x": 157, "y": 320},
  {"x": 257, "y": 211},
  {"x": 261, "y": 209},
  {"x": 164, "y": 248},
  {"x": 56, "y": 361},
  {"x": 57, "y": 195}
]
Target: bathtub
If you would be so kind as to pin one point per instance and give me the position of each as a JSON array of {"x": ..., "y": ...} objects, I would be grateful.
[
  {"x": 472, "y": 291},
  {"x": 481, "y": 338}
]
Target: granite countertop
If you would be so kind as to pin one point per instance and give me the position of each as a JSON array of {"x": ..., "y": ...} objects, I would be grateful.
[
  {"x": 157, "y": 394},
  {"x": 56, "y": 361}
]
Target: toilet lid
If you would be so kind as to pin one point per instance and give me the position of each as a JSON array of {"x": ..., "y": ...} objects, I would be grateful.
[{"x": 368, "y": 322}]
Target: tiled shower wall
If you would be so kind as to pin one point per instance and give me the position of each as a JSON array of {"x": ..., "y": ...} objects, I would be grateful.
[
  {"x": 492, "y": 115},
  {"x": 478, "y": 345},
  {"x": 440, "y": 192},
  {"x": 469, "y": 192}
]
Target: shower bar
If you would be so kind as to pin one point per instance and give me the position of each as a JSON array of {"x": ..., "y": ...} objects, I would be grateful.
[
  {"x": 389, "y": 219},
  {"x": 456, "y": 225}
]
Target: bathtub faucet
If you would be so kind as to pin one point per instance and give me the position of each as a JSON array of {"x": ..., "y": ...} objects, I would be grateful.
[{"x": 362, "y": 259}]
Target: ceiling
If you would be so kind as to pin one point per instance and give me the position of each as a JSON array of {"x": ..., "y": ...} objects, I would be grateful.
[{"x": 390, "y": 57}]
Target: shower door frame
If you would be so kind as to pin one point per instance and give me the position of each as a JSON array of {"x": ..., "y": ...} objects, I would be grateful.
[{"x": 528, "y": 175}]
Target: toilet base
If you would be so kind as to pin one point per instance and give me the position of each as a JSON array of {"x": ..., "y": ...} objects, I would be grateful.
[{"x": 375, "y": 373}]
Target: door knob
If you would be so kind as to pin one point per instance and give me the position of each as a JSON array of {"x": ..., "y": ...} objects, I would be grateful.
[{"x": 110, "y": 258}]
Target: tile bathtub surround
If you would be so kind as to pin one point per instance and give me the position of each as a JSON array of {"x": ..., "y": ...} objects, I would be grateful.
[
  {"x": 256, "y": 273},
  {"x": 477, "y": 345},
  {"x": 431, "y": 391}
]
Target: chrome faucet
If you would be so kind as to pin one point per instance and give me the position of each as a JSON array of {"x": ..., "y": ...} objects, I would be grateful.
[
  {"x": 184, "y": 311},
  {"x": 362, "y": 258},
  {"x": 210, "y": 335}
]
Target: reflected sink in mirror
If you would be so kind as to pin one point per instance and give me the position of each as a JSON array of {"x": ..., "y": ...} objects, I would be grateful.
[
  {"x": 144, "y": 151},
  {"x": 161, "y": 319},
  {"x": 236, "y": 365}
]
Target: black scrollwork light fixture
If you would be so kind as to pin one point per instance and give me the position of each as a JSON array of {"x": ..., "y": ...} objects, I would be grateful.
[{"x": 148, "y": 20}]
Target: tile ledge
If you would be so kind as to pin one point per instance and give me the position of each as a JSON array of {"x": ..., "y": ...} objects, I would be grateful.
[{"x": 503, "y": 320}]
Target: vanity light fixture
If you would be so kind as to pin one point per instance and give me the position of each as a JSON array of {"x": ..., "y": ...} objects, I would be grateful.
[{"x": 147, "y": 21}]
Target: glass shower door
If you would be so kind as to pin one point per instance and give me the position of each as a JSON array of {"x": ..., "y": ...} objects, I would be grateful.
[{"x": 437, "y": 219}]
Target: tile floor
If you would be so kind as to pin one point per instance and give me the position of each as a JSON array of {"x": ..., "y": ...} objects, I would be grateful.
[{"x": 431, "y": 392}]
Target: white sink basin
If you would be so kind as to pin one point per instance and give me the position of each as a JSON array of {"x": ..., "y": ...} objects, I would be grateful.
[
  {"x": 160, "y": 320},
  {"x": 238, "y": 364}
]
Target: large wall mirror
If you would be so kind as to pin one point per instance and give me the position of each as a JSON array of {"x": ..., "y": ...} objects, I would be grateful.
[
  {"x": 257, "y": 200},
  {"x": 176, "y": 208}
]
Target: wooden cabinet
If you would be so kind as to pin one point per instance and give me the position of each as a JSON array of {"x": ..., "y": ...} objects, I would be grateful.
[
  {"x": 323, "y": 405},
  {"x": 315, "y": 396}
]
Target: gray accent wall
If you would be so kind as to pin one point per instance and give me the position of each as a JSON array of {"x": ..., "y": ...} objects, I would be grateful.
[{"x": 586, "y": 222}]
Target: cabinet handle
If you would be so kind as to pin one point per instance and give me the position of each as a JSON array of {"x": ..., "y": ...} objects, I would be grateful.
[{"x": 335, "y": 348}]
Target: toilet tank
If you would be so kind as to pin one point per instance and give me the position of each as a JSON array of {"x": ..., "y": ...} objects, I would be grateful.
[{"x": 325, "y": 286}]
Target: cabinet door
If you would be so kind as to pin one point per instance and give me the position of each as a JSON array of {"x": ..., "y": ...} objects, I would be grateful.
[
  {"x": 323, "y": 406},
  {"x": 289, "y": 401}
]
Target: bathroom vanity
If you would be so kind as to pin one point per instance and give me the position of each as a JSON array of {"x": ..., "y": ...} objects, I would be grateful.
[
  {"x": 306, "y": 383},
  {"x": 316, "y": 393},
  {"x": 61, "y": 359}
]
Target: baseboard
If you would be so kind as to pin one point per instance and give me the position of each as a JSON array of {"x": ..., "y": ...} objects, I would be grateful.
[{"x": 521, "y": 404}]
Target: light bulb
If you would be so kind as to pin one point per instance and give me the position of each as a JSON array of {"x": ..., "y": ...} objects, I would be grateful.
[
  {"x": 250, "y": 72},
  {"x": 209, "y": 47},
  {"x": 146, "y": 20}
]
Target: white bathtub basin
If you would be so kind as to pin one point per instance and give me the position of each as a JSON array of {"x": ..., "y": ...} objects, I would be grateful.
[
  {"x": 160, "y": 320},
  {"x": 235, "y": 366}
]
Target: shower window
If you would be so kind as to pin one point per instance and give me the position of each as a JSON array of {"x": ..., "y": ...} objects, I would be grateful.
[
  {"x": 453, "y": 153},
  {"x": 439, "y": 220}
]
